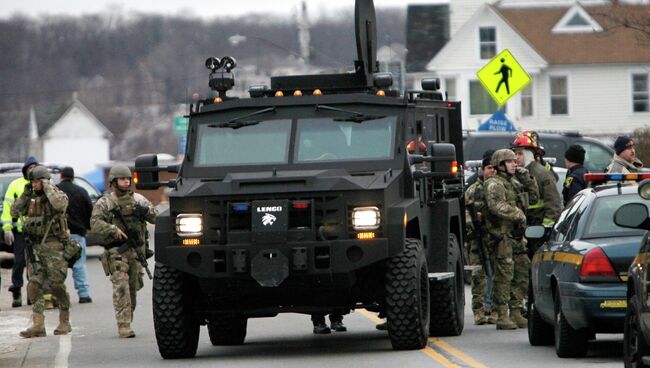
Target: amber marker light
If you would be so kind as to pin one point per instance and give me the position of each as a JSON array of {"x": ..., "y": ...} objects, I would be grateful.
[
  {"x": 406, "y": 220},
  {"x": 318, "y": 92},
  {"x": 190, "y": 242},
  {"x": 297, "y": 93},
  {"x": 366, "y": 236},
  {"x": 217, "y": 99},
  {"x": 279, "y": 94},
  {"x": 454, "y": 167},
  {"x": 381, "y": 93},
  {"x": 136, "y": 177}
]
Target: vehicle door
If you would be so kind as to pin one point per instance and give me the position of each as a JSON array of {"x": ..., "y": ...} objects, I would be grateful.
[
  {"x": 597, "y": 158},
  {"x": 544, "y": 265}
]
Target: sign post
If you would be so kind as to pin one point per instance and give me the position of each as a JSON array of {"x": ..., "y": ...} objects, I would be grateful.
[{"x": 503, "y": 76}]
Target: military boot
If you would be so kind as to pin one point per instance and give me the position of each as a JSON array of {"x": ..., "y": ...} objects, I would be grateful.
[
  {"x": 517, "y": 318},
  {"x": 37, "y": 328},
  {"x": 492, "y": 318},
  {"x": 124, "y": 330},
  {"x": 17, "y": 298},
  {"x": 479, "y": 317},
  {"x": 64, "y": 323},
  {"x": 503, "y": 321}
]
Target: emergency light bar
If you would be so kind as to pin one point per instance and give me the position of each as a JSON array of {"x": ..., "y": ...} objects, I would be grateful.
[{"x": 616, "y": 177}]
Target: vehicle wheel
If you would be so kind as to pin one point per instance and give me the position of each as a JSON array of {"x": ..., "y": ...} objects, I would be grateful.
[
  {"x": 177, "y": 330},
  {"x": 569, "y": 343},
  {"x": 540, "y": 333},
  {"x": 227, "y": 330},
  {"x": 635, "y": 345},
  {"x": 407, "y": 297},
  {"x": 448, "y": 300}
]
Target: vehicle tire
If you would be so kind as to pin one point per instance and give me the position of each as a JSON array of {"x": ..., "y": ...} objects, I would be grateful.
[
  {"x": 569, "y": 342},
  {"x": 177, "y": 330},
  {"x": 227, "y": 330},
  {"x": 635, "y": 345},
  {"x": 407, "y": 297},
  {"x": 447, "y": 316},
  {"x": 540, "y": 333}
]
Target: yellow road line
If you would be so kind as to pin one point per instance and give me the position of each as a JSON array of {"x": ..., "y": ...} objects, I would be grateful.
[
  {"x": 457, "y": 353},
  {"x": 432, "y": 353},
  {"x": 439, "y": 358}
]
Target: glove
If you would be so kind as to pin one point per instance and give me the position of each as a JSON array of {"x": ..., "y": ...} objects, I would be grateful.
[
  {"x": 523, "y": 175},
  {"x": 9, "y": 237},
  {"x": 140, "y": 211},
  {"x": 28, "y": 189}
]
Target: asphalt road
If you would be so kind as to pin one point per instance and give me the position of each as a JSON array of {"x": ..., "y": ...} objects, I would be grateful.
[{"x": 284, "y": 341}]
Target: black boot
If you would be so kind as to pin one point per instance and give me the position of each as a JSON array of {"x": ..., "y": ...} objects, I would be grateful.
[
  {"x": 18, "y": 299},
  {"x": 321, "y": 328},
  {"x": 338, "y": 326}
]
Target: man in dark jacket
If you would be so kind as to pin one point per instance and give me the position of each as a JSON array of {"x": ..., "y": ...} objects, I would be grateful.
[
  {"x": 574, "y": 157},
  {"x": 79, "y": 210}
]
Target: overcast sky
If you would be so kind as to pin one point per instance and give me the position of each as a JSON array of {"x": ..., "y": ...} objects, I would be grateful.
[{"x": 203, "y": 8}]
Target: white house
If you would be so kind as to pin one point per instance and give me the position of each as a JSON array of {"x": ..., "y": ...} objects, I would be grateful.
[
  {"x": 68, "y": 133},
  {"x": 587, "y": 75}
]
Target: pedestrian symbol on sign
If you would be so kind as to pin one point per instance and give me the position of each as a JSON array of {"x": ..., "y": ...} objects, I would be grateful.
[
  {"x": 503, "y": 77},
  {"x": 506, "y": 72}
]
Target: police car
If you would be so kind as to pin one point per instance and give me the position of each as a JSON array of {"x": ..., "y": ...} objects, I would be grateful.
[
  {"x": 636, "y": 349},
  {"x": 579, "y": 275}
]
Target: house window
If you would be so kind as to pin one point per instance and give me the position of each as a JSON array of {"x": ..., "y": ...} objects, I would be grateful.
[
  {"x": 559, "y": 95},
  {"x": 480, "y": 102},
  {"x": 640, "y": 93},
  {"x": 527, "y": 101},
  {"x": 450, "y": 85},
  {"x": 488, "y": 42}
]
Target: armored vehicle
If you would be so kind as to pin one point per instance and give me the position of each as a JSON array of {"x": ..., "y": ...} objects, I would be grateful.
[{"x": 319, "y": 194}]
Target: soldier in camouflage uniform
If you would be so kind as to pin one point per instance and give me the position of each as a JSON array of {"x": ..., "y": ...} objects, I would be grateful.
[
  {"x": 474, "y": 196},
  {"x": 507, "y": 200},
  {"x": 42, "y": 209},
  {"x": 124, "y": 269}
]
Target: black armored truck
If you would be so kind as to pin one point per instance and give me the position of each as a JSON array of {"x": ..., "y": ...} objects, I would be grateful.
[{"x": 317, "y": 194}]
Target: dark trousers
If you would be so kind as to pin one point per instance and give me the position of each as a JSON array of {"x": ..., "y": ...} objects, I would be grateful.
[
  {"x": 19, "y": 262},
  {"x": 320, "y": 318}
]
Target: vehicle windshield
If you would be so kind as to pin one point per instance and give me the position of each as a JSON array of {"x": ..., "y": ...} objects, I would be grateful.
[
  {"x": 265, "y": 142},
  {"x": 326, "y": 139},
  {"x": 601, "y": 222}
]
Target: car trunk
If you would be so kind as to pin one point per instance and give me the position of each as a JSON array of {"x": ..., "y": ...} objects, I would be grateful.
[{"x": 620, "y": 250}]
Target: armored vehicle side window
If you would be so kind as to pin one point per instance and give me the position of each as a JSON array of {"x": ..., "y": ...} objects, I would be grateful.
[
  {"x": 325, "y": 139},
  {"x": 264, "y": 142}
]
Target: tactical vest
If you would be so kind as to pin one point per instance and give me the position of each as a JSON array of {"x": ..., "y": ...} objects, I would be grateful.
[
  {"x": 515, "y": 196},
  {"x": 39, "y": 214},
  {"x": 126, "y": 204}
]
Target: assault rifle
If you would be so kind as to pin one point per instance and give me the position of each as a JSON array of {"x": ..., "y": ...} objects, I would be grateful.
[
  {"x": 479, "y": 236},
  {"x": 131, "y": 242}
]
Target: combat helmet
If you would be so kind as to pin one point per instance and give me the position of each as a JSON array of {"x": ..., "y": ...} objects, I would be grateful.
[
  {"x": 119, "y": 171},
  {"x": 502, "y": 155},
  {"x": 39, "y": 172}
]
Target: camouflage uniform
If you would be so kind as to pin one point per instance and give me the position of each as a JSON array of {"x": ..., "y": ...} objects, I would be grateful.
[
  {"x": 506, "y": 202},
  {"x": 46, "y": 228},
  {"x": 474, "y": 197},
  {"x": 125, "y": 270}
]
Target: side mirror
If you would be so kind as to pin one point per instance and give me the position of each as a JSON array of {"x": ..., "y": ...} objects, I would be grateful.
[
  {"x": 644, "y": 189},
  {"x": 632, "y": 215},
  {"x": 146, "y": 172},
  {"x": 535, "y": 232}
]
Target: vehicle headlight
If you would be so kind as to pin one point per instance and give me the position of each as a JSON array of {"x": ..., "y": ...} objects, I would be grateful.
[
  {"x": 365, "y": 218},
  {"x": 189, "y": 224}
]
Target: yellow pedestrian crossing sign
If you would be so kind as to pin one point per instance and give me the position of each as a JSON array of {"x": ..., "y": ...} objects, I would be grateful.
[{"x": 503, "y": 77}]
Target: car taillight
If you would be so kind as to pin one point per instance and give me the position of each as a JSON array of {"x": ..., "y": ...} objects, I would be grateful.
[{"x": 596, "y": 264}]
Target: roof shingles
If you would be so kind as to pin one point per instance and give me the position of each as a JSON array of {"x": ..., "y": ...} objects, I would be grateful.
[{"x": 616, "y": 45}]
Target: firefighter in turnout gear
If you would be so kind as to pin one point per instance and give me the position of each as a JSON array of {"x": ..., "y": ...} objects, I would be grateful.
[
  {"x": 507, "y": 201},
  {"x": 114, "y": 216},
  {"x": 547, "y": 209},
  {"x": 42, "y": 207}
]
